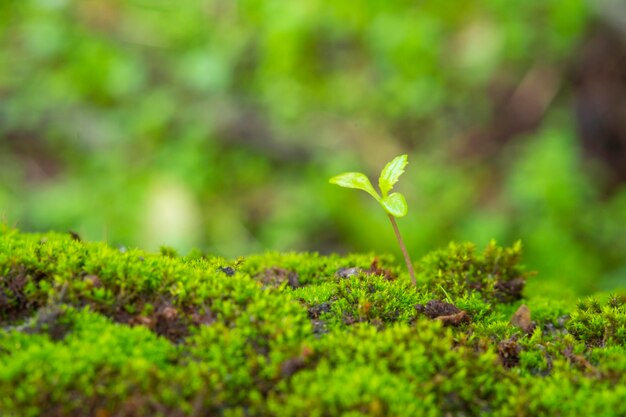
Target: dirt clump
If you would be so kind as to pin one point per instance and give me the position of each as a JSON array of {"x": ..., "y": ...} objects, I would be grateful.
[
  {"x": 508, "y": 352},
  {"x": 374, "y": 269},
  {"x": 511, "y": 290},
  {"x": 276, "y": 276},
  {"x": 447, "y": 313}
]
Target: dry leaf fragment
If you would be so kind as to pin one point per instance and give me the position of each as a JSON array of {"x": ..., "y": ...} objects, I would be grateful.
[{"x": 521, "y": 319}]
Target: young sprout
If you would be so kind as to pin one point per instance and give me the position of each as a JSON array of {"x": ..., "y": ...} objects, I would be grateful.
[{"x": 394, "y": 203}]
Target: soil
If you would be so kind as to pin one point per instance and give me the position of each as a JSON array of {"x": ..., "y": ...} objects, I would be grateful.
[
  {"x": 448, "y": 314},
  {"x": 276, "y": 276},
  {"x": 508, "y": 291},
  {"x": 14, "y": 304},
  {"x": 508, "y": 352}
]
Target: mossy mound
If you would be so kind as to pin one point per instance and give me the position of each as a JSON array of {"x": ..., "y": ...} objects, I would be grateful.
[{"x": 87, "y": 329}]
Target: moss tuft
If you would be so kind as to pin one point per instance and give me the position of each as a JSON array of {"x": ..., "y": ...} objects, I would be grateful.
[
  {"x": 597, "y": 324},
  {"x": 87, "y": 329},
  {"x": 495, "y": 273}
]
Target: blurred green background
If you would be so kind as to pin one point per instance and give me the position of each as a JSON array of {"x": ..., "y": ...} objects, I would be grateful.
[{"x": 216, "y": 124}]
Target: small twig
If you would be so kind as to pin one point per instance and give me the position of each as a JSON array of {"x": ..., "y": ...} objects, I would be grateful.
[{"x": 409, "y": 265}]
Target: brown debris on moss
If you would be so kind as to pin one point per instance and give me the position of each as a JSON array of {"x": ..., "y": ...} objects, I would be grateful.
[
  {"x": 509, "y": 351},
  {"x": 509, "y": 291},
  {"x": 522, "y": 319},
  {"x": 276, "y": 276},
  {"x": 448, "y": 314}
]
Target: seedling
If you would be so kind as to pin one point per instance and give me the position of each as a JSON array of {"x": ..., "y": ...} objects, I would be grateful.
[{"x": 394, "y": 203}]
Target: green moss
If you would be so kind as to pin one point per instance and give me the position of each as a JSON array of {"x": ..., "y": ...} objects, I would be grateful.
[
  {"x": 87, "y": 329},
  {"x": 597, "y": 324},
  {"x": 495, "y": 273}
]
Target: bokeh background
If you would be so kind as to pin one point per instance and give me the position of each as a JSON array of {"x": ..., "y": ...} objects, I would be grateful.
[{"x": 216, "y": 124}]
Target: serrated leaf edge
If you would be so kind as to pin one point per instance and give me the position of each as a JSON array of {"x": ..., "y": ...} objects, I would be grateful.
[{"x": 394, "y": 169}]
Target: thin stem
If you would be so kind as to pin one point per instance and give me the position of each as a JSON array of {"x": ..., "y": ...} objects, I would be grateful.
[{"x": 409, "y": 265}]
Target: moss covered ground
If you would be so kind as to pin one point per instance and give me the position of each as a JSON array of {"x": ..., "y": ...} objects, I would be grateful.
[{"x": 89, "y": 329}]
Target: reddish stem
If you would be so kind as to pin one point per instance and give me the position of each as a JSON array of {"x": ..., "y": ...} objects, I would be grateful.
[{"x": 409, "y": 265}]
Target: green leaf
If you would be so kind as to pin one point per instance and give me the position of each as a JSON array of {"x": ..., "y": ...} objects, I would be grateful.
[
  {"x": 391, "y": 173},
  {"x": 395, "y": 204},
  {"x": 355, "y": 180}
]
